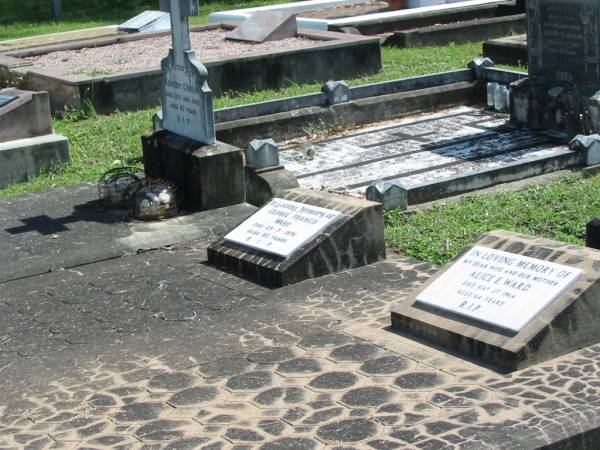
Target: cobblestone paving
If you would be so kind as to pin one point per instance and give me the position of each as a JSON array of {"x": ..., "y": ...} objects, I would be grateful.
[{"x": 160, "y": 351}]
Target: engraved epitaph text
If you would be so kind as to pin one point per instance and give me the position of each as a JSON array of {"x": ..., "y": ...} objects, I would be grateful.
[
  {"x": 282, "y": 226},
  {"x": 498, "y": 288},
  {"x": 564, "y": 40}
]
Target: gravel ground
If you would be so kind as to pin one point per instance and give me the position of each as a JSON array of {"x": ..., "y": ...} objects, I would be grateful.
[{"x": 147, "y": 53}]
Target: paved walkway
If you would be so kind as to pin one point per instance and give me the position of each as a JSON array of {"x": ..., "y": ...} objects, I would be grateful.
[{"x": 159, "y": 350}]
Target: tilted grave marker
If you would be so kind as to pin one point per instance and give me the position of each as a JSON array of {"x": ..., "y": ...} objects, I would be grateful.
[{"x": 510, "y": 299}]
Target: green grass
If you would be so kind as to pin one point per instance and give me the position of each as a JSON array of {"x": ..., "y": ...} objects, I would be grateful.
[
  {"x": 77, "y": 19},
  {"x": 557, "y": 210},
  {"x": 99, "y": 143}
]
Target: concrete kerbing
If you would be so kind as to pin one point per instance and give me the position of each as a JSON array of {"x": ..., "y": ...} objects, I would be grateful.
[
  {"x": 292, "y": 124},
  {"x": 130, "y": 90}
]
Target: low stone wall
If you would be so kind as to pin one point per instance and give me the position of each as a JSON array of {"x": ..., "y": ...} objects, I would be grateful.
[{"x": 339, "y": 56}]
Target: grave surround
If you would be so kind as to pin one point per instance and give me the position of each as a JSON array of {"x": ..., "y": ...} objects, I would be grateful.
[
  {"x": 566, "y": 323},
  {"x": 354, "y": 239}
]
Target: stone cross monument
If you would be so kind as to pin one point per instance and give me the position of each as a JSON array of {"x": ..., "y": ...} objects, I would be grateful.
[{"x": 186, "y": 97}]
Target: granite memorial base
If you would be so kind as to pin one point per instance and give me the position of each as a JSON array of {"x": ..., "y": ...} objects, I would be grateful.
[
  {"x": 510, "y": 300},
  {"x": 573, "y": 109},
  {"x": 592, "y": 233},
  {"x": 207, "y": 176},
  {"x": 27, "y": 143},
  {"x": 301, "y": 235}
]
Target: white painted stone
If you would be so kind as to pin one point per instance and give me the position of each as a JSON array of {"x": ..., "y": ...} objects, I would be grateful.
[
  {"x": 498, "y": 288},
  {"x": 187, "y": 102},
  {"x": 147, "y": 21},
  {"x": 281, "y": 227}
]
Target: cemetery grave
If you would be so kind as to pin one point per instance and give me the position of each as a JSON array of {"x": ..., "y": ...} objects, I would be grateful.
[
  {"x": 121, "y": 72},
  {"x": 410, "y": 23},
  {"x": 288, "y": 325}
]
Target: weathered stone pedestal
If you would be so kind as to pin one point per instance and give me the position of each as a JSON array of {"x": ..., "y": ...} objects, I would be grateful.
[
  {"x": 27, "y": 143},
  {"x": 563, "y": 89},
  {"x": 498, "y": 286},
  {"x": 207, "y": 176},
  {"x": 354, "y": 239}
]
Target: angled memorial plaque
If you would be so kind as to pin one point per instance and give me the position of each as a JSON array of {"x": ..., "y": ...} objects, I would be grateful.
[
  {"x": 282, "y": 227},
  {"x": 187, "y": 103},
  {"x": 304, "y": 234},
  {"x": 511, "y": 300},
  {"x": 498, "y": 288}
]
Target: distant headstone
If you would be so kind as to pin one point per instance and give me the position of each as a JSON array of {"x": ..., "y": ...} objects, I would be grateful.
[
  {"x": 27, "y": 142},
  {"x": 564, "y": 41},
  {"x": 564, "y": 68},
  {"x": 265, "y": 26},
  {"x": 511, "y": 300},
  {"x": 146, "y": 22},
  {"x": 304, "y": 234},
  {"x": 186, "y": 97}
]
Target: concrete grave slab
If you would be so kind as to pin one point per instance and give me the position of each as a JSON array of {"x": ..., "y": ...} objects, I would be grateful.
[
  {"x": 147, "y": 21},
  {"x": 489, "y": 314},
  {"x": 266, "y": 26},
  {"x": 162, "y": 348},
  {"x": 431, "y": 156}
]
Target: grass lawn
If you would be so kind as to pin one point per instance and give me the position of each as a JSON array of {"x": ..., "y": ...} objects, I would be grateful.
[{"x": 557, "y": 210}]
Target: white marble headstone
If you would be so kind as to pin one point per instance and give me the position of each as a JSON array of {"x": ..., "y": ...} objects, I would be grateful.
[
  {"x": 502, "y": 289},
  {"x": 187, "y": 103},
  {"x": 282, "y": 226}
]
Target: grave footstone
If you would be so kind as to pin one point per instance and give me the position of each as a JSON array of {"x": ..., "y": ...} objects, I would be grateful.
[
  {"x": 27, "y": 142},
  {"x": 265, "y": 26},
  {"x": 265, "y": 177},
  {"x": 303, "y": 234},
  {"x": 511, "y": 300},
  {"x": 564, "y": 67},
  {"x": 184, "y": 150}
]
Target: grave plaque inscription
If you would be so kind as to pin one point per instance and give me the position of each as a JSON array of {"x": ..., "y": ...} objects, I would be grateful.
[
  {"x": 501, "y": 289},
  {"x": 282, "y": 226},
  {"x": 564, "y": 40}
]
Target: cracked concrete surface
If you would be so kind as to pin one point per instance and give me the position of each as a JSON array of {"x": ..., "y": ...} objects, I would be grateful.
[{"x": 158, "y": 350}]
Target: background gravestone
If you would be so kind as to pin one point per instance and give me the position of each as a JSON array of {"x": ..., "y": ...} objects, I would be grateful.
[
  {"x": 266, "y": 26},
  {"x": 564, "y": 68},
  {"x": 517, "y": 301},
  {"x": 303, "y": 234},
  {"x": 208, "y": 174},
  {"x": 27, "y": 142}
]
